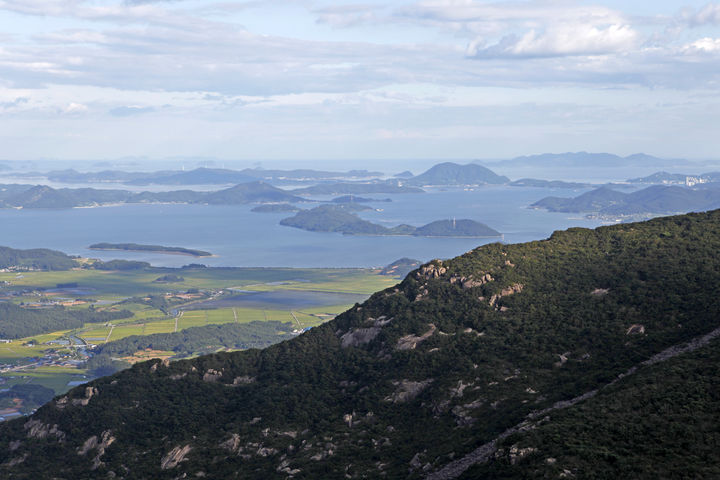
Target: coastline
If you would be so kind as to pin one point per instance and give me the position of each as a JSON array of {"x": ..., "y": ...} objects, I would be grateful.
[{"x": 163, "y": 252}]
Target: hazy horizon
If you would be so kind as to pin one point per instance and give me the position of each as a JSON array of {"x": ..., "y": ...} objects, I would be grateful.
[{"x": 336, "y": 81}]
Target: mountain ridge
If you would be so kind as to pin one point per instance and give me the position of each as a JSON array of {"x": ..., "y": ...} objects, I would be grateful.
[{"x": 460, "y": 350}]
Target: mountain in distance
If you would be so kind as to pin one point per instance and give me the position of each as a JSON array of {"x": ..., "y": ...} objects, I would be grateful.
[
  {"x": 592, "y": 201},
  {"x": 585, "y": 159},
  {"x": 42, "y": 196},
  {"x": 533, "y": 182},
  {"x": 449, "y": 173},
  {"x": 356, "y": 199},
  {"x": 360, "y": 188},
  {"x": 253, "y": 192},
  {"x": 600, "y": 341},
  {"x": 104, "y": 176},
  {"x": 404, "y": 174},
  {"x": 300, "y": 175},
  {"x": 677, "y": 178},
  {"x": 340, "y": 219},
  {"x": 654, "y": 200},
  {"x": 198, "y": 176}
]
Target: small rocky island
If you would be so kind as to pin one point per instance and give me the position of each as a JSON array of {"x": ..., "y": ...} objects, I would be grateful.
[{"x": 136, "y": 247}]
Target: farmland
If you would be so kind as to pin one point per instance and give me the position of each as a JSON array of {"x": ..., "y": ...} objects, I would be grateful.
[{"x": 204, "y": 297}]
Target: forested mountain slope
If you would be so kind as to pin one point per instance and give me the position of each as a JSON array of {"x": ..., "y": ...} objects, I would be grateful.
[{"x": 415, "y": 378}]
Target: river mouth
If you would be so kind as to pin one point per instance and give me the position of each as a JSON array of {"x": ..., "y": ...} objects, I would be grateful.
[{"x": 281, "y": 300}]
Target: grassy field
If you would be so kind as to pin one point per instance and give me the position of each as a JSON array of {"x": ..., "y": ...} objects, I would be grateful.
[
  {"x": 56, "y": 378},
  {"x": 111, "y": 287}
]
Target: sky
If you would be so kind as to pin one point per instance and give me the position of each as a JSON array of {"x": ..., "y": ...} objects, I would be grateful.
[{"x": 341, "y": 81}]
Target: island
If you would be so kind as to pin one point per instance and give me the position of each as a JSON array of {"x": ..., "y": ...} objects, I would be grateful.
[
  {"x": 136, "y": 247},
  {"x": 43, "y": 196},
  {"x": 356, "y": 199},
  {"x": 338, "y": 218},
  {"x": 357, "y": 188},
  {"x": 606, "y": 203},
  {"x": 453, "y": 174},
  {"x": 275, "y": 208}
]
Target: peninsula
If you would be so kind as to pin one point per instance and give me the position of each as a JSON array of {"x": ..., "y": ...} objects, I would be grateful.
[{"x": 136, "y": 247}]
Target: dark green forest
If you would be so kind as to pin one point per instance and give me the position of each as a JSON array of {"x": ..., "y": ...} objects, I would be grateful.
[
  {"x": 426, "y": 372},
  {"x": 19, "y": 322}
]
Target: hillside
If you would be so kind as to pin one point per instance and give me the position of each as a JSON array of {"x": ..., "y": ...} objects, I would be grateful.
[
  {"x": 660, "y": 423},
  {"x": 36, "y": 258},
  {"x": 449, "y": 173},
  {"x": 462, "y": 350}
]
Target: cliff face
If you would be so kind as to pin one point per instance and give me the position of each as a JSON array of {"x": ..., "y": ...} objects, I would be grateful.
[{"x": 416, "y": 378}]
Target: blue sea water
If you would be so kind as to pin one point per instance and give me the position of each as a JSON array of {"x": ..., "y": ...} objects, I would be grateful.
[{"x": 241, "y": 238}]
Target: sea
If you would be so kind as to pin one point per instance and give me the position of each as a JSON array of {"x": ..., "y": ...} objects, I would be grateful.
[{"x": 238, "y": 237}]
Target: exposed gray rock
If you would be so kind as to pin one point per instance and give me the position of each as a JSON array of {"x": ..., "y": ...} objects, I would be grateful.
[
  {"x": 407, "y": 390},
  {"x": 89, "y": 393},
  {"x": 409, "y": 342},
  {"x": 232, "y": 444},
  {"x": 212, "y": 375},
  {"x": 636, "y": 329},
  {"x": 174, "y": 457},
  {"x": 243, "y": 380},
  {"x": 39, "y": 430},
  {"x": 359, "y": 336}
]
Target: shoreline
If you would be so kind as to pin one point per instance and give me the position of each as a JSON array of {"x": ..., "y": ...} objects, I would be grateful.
[{"x": 163, "y": 252}]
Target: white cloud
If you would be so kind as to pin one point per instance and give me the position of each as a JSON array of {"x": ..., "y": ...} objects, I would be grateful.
[
  {"x": 130, "y": 110},
  {"x": 703, "y": 45},
  {"x": 74, "y": 108},
  {"x": 560, "y": 40},
  {"x": 708, "y": 15},
  {"x": 347, "y": 15}
]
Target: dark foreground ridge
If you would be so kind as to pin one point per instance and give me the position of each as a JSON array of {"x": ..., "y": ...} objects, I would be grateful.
[
  {"x": 485, "y": 452},
  {"x": 462, "y": 355}
]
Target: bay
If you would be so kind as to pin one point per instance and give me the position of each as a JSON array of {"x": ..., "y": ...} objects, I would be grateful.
[{"x": 241, "y": 238}]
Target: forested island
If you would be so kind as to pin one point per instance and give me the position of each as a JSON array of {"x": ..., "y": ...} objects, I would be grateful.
[
  {"x": 655, "y": 200},
  {"x": 136, "y": 247},
  {"x": 43, "y": 196},
  {"x": 339, "y": 218}
]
